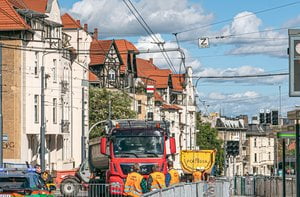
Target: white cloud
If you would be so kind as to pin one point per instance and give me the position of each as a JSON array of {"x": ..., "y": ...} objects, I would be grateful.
[
  {"x": 240, "y": 71},
  {"x": 233, "y": 96},
  {"x": 162, "y": 16},
  {"x": 144, "y": 43},
  {"x": 247, "y": 37}
]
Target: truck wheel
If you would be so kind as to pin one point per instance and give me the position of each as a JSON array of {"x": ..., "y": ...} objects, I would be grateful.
[{"x": 69, "y": 187}]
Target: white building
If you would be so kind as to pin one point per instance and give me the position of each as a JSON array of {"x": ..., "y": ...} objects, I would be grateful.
[
  {"x": 41, "y": 42},
  {"x": 231, "y": 129},
  {"x": 260, "y": 150}
]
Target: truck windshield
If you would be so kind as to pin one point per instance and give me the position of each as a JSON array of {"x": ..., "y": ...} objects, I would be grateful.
[{"x": 138, "y": 143}]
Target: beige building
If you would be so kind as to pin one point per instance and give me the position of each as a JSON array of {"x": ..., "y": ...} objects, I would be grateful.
[
  {"x": 32, "y": 37},
  {"x": 260, "y": 150}
]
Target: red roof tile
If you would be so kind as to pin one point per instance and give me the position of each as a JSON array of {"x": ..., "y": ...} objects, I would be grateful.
[
  {"x": 69, "y": 22},
  {"x": 36, "y": 5},
  {"x": 171, "y": 107},
  {"x": 123, "y": 47},
  {"x": 18, "y": 4},
  {"x": 10, "y": 19},
  {"x": 98, "y": 51},
  {"x": 177, "y": 81},
  {"x": 93, "y": 77},
  {"x": 157, "y": 97},
  {"x": 146, "y": 70}
]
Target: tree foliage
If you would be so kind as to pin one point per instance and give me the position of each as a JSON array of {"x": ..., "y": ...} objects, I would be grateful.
[
  {"x": 99, "y": 107},
  {"x": 207, "y": 138}
]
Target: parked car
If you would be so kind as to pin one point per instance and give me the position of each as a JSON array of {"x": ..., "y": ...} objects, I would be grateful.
[{"x": 15, "y": 182}]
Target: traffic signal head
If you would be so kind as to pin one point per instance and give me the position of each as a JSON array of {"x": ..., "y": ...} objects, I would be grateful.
[
  {"x": 275, "y": 118},
  {"x": 233, "y": 148}
]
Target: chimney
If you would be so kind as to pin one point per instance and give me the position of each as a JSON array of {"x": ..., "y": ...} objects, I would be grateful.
[
  {"x": 85, "y": 27},
  {"x": 95, "y": 35},
  {"x": 151, "y": 60},
  {"x": 78, "y": 21}
]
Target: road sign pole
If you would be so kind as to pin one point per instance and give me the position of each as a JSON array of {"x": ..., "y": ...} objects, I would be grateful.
[
  {"x": 283, "y": 168},
  {"x": 297, "y": 160}
]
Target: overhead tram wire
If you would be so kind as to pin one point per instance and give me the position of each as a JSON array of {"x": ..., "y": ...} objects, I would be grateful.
[
  {"x": 228, "y": 20},
  {"x": 150, "y": 33}
]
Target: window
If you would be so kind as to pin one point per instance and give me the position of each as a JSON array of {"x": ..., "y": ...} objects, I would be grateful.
[
  {"x": 269, "y": 141},
  {"x": 54, "y": 70},
  {"x": 111, "y": 75},
  {"x": 269, "y": 155},
  {"x": 255, "y": 157},
  {"x": 254, "y": 142},
  {"x": 139, "y": 106},
  {"x": 36, "y": 108},
  {"x": 54, "y": 110},
  {"x": 36, "y": 64},
  {"x": 150, "y": 116}
]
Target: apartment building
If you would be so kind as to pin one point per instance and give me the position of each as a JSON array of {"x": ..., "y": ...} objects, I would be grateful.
[
  {"x": 260, "y": 150},
  {"x": 231, "y": 129},
  {"x": 32, "y": 35}
]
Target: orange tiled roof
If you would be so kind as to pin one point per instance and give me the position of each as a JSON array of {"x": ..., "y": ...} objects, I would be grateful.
[
  {"x": 69, "y": 22},
  {"x": 177, "y": 82},
  {"x": 157, "y": 97},
  {"x": 93, "y": 77},
  {"x": 98, "y": 51},
  {"x": 171, "y": 107},
  {"x": 18, "y": 4},
  {"x": 10, "y": 19},
  {"x": 147, "y": 70},
  {"x": 123, "y": 47},
  {"x": 36, "y": 5}
]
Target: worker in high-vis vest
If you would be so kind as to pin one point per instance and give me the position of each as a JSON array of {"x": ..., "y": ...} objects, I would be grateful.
[
  {"x": 172, "y": 177},
  {"x": 198, "y": 174},
  {"x": 135, "y": 184},
  {"x": 156, "y": 179}
]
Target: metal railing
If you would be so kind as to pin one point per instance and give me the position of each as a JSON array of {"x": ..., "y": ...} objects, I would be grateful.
[
  {"x": 267, "y": 186},
  {"x": 215, "y": 188}
]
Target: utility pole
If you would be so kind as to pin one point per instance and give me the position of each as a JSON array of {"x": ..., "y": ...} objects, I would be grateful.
[
  {"x": 42, "y": 126},
  {"x": 1, "y": 116},
  {"x": 82, "y": 129}
]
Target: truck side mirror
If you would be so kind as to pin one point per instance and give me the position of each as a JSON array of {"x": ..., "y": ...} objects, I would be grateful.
[
  {"x": 172, "y": 145},
  {"x": 103, "y": 145}
]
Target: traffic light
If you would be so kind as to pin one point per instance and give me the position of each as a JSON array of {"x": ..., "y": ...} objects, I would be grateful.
[
  {"x": 275, "y": 117},
  {"x": 262, "y": 117},
  {"x": 232, "y": 148},
  {"x": 294, "y": 62},
  {"x": 268, "y": 117}
]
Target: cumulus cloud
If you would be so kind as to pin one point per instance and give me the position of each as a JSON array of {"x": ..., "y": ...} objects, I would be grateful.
[
  {"x": 144, "y": 44},
  {"x": 162, "y": 16},
  {"x": 247, "y": 37},
  {"x": 240, "y": 71}
]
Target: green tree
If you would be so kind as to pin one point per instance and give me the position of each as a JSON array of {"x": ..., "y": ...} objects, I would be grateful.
[
  {"x": 207, "y": 138},
  {"x": 99, "y": 107}
]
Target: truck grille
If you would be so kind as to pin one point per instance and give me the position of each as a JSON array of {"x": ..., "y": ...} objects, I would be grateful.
[{"x": 145, "y": 168}]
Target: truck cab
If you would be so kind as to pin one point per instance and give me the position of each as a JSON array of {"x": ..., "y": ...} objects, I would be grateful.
[{"x": 129, "y": 142}]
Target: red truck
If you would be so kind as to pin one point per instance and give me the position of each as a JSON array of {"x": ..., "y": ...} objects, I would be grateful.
[{"x": 126, "y": 142}]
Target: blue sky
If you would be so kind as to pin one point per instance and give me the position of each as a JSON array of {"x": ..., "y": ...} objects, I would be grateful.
[{"x": 244, "y": 53}]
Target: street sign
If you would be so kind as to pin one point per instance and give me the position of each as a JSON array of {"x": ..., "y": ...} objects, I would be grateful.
[
  {"x": 286, "y": 134},
  {"x": 203, "y": 42},
  {"x": 150, "y": 89}
]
